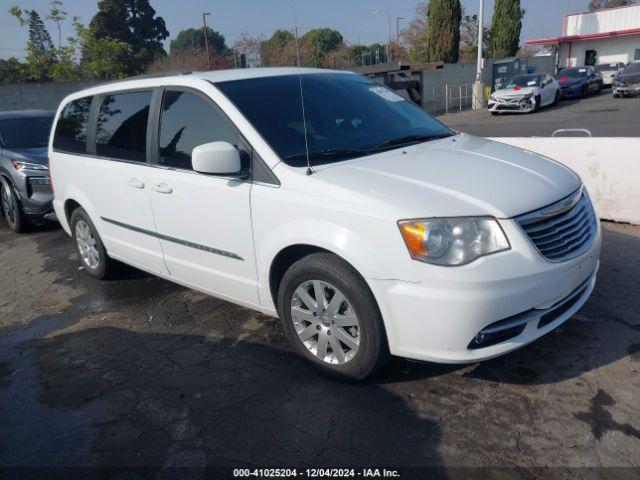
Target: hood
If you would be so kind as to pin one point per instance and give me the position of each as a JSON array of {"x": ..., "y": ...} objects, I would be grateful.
[
  {"x": 458, "y": 176},
  {"x": 511, "y": 93},
  {"x": 629, "y": 78},
  {"x": 569, "y": 81},
  {"x": 31, "y": 155}
]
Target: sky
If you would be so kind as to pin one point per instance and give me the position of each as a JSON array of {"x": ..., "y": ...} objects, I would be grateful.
[{"x": 355, "y": 19}]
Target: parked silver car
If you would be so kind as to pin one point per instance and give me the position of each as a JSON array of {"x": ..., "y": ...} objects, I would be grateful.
[{"x": 25, "y": 187}]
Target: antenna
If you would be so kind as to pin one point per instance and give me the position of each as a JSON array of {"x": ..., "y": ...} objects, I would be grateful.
[{"x": 304, "y": 117}]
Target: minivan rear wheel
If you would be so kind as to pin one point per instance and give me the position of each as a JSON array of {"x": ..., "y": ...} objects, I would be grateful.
[
  {"x": 331, "y": 318},
  {"x": 89, "y": 246}
]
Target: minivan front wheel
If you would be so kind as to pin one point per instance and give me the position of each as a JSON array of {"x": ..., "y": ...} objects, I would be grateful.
[
  {"x": 89, "y": 246},
  {"x": 331, "y": 318}
]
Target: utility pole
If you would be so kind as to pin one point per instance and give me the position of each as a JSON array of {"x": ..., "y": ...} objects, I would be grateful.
[
  {"x": 478, "y": 87},
  {"x": 206, "y": 38},
  {"x": 398, "y": 29}
]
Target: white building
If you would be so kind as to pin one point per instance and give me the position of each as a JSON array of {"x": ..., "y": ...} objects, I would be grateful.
[{"x": 606, "y": 36}]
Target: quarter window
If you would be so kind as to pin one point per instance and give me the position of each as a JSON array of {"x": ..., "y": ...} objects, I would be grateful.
[
  {"x": 187, "y": 121},
  {"x": 71, "y": 130},
  {"x": 122, "y": 126}
]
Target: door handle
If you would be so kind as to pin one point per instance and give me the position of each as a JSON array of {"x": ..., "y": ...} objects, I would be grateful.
[
  {"x": 135, "y": 183},
  {"x": 162, "y": 188}
]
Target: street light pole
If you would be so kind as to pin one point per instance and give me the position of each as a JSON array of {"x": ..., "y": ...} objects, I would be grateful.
[
  {"x": 478, "y": 87},
  {"x": 389, "y": 27},
  {"x": 398, "y": 29},
  {"x": 206, "y": 38}
]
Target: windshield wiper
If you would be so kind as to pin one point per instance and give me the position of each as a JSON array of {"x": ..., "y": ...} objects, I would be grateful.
[
  {"x": 327, "y": 153},
  {"x": 406, "y": 140}
]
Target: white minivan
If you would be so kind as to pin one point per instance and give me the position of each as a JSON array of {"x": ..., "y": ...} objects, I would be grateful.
[{"x": 328, "y": 200}]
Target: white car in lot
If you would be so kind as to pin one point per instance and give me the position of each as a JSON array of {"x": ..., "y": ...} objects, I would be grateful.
[
  {"x": 525, "y": 94},
  {"x": 609, "y": 71},
  {"x": 366, "y": 225}
]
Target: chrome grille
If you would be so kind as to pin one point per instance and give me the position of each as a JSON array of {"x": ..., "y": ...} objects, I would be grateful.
[{"x": 563, "y": 230}]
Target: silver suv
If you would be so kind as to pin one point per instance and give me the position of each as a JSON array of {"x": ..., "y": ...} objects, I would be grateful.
[{"x": 25, "y": 187}]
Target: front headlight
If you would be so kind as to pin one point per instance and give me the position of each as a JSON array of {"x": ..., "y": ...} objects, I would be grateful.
[
  {"x": 18, "y": 165},
  {"x": 453, "y": 241}
]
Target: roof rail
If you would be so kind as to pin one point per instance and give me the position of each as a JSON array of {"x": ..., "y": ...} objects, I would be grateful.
[{"x": 143, "y": 76}]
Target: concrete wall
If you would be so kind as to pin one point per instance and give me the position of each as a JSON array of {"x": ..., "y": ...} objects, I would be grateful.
[
  {"x": 609, "y": 168},
  {"x": 47, "y": 95},
  {"x": 445, "y": 89}
]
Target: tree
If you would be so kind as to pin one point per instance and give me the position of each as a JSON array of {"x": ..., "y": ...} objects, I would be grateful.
[
  {"x": 469, "y": 38},
  {"x": 443, "y": 33},
  {"x": 279, "y": 50},
  {"x": 192, "y": 39},
  {"x": 57, "y": 15},
  {"x": 600, "y": 4},
  {"x": 320, "y": 42},
  {"x": 13, "y": 71},
  {"x": 134, "y": 23},
  {"x": 102, "y": 58},
  {"x": 42, "y": 54},
  {"x": 506, "y": 25}
]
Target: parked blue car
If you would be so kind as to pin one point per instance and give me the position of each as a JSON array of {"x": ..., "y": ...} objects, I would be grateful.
[{"x": 579, "y": 82}]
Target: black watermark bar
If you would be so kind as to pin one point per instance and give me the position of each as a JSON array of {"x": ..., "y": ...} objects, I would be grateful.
[{"x": 424, "y": 473}]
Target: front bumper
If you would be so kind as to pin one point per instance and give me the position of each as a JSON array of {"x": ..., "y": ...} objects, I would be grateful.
[
  {"x": 519, "y": 105},
  {"x": 572, "y": 91},
  {"x": 33, "y": 188},
  {"x": 438, "y": 318},
  {"x": 632, "y": 89}
]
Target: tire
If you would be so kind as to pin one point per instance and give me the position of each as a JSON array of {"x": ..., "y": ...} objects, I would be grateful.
[
  {"x": 556, "y": 98},
  {"x": 366, "y": 347},
  {"x": 616, "y": 95},
  {"x": 12, "y": 210},
  {"x": 89, "y": 247},
  {"x": 585, "y": 92}
]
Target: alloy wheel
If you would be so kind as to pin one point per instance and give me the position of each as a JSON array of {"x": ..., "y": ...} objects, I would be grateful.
[
  {"x": 325, "y": 322},
  {"x": 87, "y": 245}
]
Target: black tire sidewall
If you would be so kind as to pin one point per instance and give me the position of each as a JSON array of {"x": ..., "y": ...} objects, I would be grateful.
[
  {"x": 102, "y": 271},
  {"x": 20, "y": 224},
  {"x": 373, "y": 349}
]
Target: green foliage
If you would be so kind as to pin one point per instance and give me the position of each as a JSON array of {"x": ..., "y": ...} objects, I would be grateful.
[
  {"x": 506, "y": 25},
  {"x": 419, "y": 51},
  {"x": 42, "y": 54},
  {"x": 443, "y": 30},
  {"x": 320, "y": 42},
  {"x": 102, "y": 58},
  {"x": 193, "y": 39},
  {"x": 469, "y": 38},
  {"x": 66, "y": 69},
  {"x": 57, "y": 15},
  {"x": 600, "y": 4},
  {"x": 132, "y": 22},
  {"x": 13, "y": 71}
]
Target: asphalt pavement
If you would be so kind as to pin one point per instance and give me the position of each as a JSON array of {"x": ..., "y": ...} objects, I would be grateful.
[
  {"x": 139, "y": 374},
  {"x": 602, "y": 115}
]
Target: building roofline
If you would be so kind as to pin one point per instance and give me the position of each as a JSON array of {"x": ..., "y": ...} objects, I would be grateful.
[
  {"x": 601, "y": 10},
  {"x": 590, "y": 36}
]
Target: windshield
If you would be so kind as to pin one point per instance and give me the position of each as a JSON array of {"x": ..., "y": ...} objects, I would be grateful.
[
  {"x": 24, "y": 133},
  {"x": 632, "y": 68},
  {"x": 573, "y": 72},
  {"x": 606, "y": 67},
  {"x": 347, "y": 116},
  {"x": 524, "y": 81}
]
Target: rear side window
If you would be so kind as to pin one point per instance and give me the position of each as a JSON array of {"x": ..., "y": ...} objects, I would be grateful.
[
  {"x": 188, "y": 120},
  {"x": 71, "y": 130},
  {"x": 122, "y": 126}
]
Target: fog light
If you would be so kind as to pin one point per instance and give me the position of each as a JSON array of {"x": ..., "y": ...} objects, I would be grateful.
[
  {"x": 39, "y": 181},
  {"x": 479, "y": 338}
]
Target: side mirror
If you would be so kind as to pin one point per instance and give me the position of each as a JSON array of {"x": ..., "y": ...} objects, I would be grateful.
[{"x": 217, "y": 158}]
